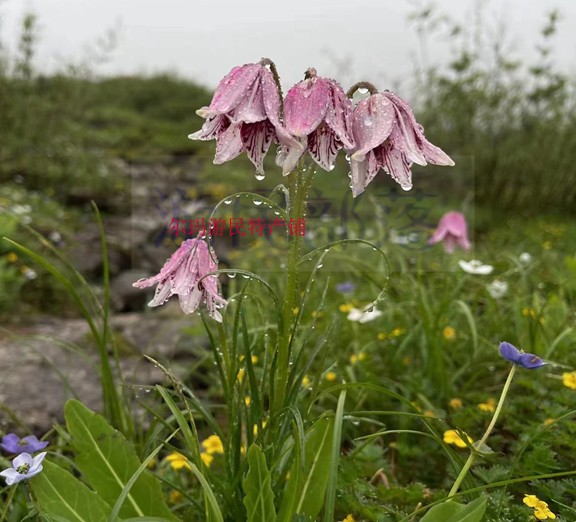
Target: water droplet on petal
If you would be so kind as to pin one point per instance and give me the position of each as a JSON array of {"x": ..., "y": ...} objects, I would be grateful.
[{"x": 259, "y": 176}]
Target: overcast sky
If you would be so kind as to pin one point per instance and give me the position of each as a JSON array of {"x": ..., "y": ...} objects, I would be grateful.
[{"x": 204, "y": 39}]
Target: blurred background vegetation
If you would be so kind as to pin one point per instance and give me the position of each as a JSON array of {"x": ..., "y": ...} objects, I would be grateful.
[{"x": 66, "y": 138}]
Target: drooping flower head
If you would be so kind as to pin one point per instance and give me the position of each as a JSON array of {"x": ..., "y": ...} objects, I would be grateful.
[
  {"x": 452, "y": 230},
  {"x": 387, "y": 136},
  {"x": 526, "y": 360},
  {"x": 183, "y": 274},
  {"x": 11, "y": 443},
  {"x": 244, "y": 116},
  {"x": 23, "y": 467},
  {"x": 317, "y": 113}
]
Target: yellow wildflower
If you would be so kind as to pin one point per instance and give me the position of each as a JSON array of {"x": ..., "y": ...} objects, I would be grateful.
[
  {"x": 212, "y": 445},
  {"x": 449, "y": 333},
  {"x": 541, "y": 511},
  {"x": 295, "y": 310},
  {"x": 347, "y": 307},
  {"x": 255, "y": 428},
  {"x": 178, "y": 461},
  {"x": 397, "y": 332},
  {"x": 489, "y": 405},
  {"x": 547, "y": 422},
  {"x": 349, "y": 518},
  {"x": 382, "y": 336},
  {"x": 569, "y": 380},
  {"x": 453, "y": 437},
  {"x": 455, "y": 403},
  {"x": 247, "y": 401},
  {"x": 305, "y": 381},
  {"x": 206, "y": 458},
  {"x": 11, "y": 257},
  {"x": 429, "y": 413},
  {"x": 330, "y": 376},
  {"x": 240, "y": 375},
  {"x": 253, "y": 358},
  {"x": 529, "y": 312},
  {"x": 175, "y": 496},
  {"x": 355, "y": 358}
]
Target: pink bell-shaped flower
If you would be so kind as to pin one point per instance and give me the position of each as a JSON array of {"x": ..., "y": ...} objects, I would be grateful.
[
  {"x": 244, "y": 116},
  {"x": 317, "y": 113},
  {"x": 452, "y": 230},
  {"x": 183, "y": 274},
  {"x": 387, "y": 136}
]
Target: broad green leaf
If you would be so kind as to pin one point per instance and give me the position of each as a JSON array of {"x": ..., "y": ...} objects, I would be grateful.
[
  {"x": 108, "y": 462},
  {"x": 259, "y": 499},
  {"x": 308, "y": 484},
  {"x": 454, "y": 512},
  {"x": 60, "y": 495}
]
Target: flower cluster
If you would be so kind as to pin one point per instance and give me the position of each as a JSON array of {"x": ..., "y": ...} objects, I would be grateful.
[
  {"x": 24, "y": 465},
  {"x": 247, "y": 114},
  {"x": 541, "y": 510}
]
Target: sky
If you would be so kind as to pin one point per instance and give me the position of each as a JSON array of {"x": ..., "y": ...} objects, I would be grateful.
[{"x": 203, "y": 39}]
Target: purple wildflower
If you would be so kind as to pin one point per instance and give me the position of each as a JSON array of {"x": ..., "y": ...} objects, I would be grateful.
[
  {"x": 317, "y": 113},
  {"x": 23, "y": 467},
  {"x": 184, "y": 274},
  {"x": 11, "y": 443},
  {"x": 346, "y": 287},
  {"x": 244, "y": 115},
  {"x": 526, "y": 360},
  {"x": 452, "y": 230},
  {"x": 387, "y": 136}
]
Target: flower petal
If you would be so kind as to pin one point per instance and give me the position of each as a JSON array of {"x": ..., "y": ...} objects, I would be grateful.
[
  {"x": 509, "y": 352},
  {"x": 323, "y": 147},
  {"x": 289, "y": 155},
  {"x": 212, "y": 128},
  {"x": 363, "y": 172},
  {"x": 338, "y": 115},
  {"x": 305, "y": 106},
  {"x": 372, "y": 123},
  {"x": 396, "y": 164},
  {"x": 233, "y": 89},
  {"x": 256, "y": 140},
  {"x": 530, "y": 361},
  {"x": 12, "y": 476},
  {"x": 229, "y": 144}
]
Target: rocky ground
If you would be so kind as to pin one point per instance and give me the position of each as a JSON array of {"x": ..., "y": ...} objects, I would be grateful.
[{"x": 50, "y": 359}]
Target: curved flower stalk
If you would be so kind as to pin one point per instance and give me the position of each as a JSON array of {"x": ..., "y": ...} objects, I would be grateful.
[
  {"x": 452, "y": 230},
  {"x": 388, "y": 136},
  {"x": 244, "y": 116},
  {"x": 317, "y": 113},
  {"x": 185, "y": 274}
]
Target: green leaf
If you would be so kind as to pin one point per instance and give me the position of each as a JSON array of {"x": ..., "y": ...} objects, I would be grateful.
[
  {"x": 451, "y": 511},
  {"x": 60, "y": 494},
  {"x": 259, "y": 499},
  {"x": 309, "y": 479},
  {"x": 108, "y": 462}
]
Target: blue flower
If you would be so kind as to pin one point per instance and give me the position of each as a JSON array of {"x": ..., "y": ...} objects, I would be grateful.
[
  {"x": 346, "y": 287},
  {"x": 11, "y": 443},
  {"x": 526, "y": 360}
]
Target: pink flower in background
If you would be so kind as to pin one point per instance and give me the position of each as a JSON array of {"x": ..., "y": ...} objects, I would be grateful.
[
  {"x": 244, "y": 115},
  {"x": 387, "y": 136},
  {"x": 317, "y": 113},
  {"x": 451, "y": 230},
  {"x": 183, "y": 275}
]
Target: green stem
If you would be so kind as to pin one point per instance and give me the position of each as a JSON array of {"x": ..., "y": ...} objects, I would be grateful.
[
  {"x": 8, "y": 502},
  {"x": 484, "y": 438},
  {"x": 296, "y": 207}
]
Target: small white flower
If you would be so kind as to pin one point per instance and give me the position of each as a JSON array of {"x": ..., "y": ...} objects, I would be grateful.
[
  {"x": 497, "y": 288},
  {"x": 23, "y": 467},
  {"x": 475, "y": 267},
  {"x": 29, "y": 274},
  {"x": 525, "y": 258},
  {"x": 363, "y": 316}
]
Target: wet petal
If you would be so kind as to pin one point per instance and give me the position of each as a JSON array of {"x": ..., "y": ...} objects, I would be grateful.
[
  {"x": 251, "y": 107},
  {"x": 229, "y": 144},
  {"x": 289, "y": 155},
  {"x": 323, "y": 147},
  {"x": 305, "y": 106},
  {"x": 339, "y": 115},
  {"x": 372, "y": 123},
  {"x": 232, "y": 90},
  {"x": 212, "y": 127},
  {"x": 363, "y": 172},
  {"x": 396, "y": 165},
  {"x": 256, "y": 140}
]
